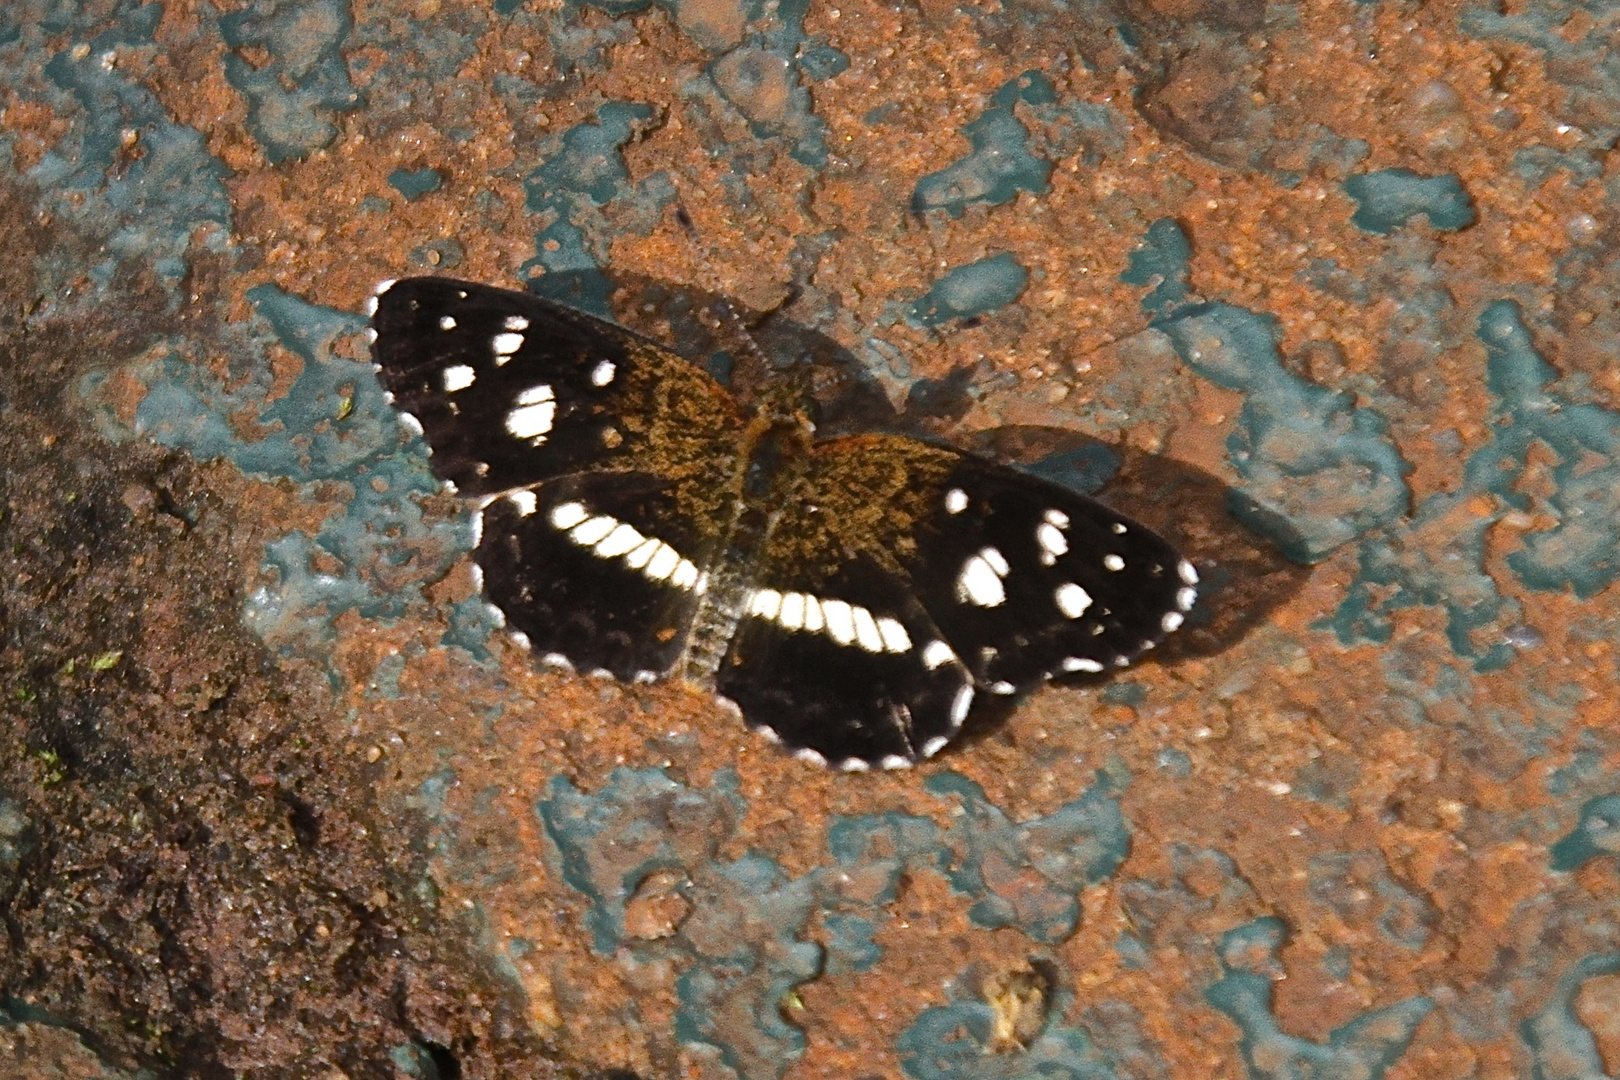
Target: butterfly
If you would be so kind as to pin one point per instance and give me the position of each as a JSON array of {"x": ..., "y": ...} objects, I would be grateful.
[{"x": 857, "y": 598}]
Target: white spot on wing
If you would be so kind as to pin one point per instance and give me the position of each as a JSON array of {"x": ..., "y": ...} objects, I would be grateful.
[
  {"x": 936, "y": 653},
  {"x": 447, "y": 322},
  {"x": 458, "y": 377},
  {"x": 956, "y": 501},
  {"x": 997, "y": 561},
  {"x": 685, "y": 575},
  {"x": 811, "y": 756},
  {"x": 532, "y": 421},
  {"x": 516, "y": 322},
  {"x": 622, "y": 540},
  {"x": 1080, "y": 663},
  {"x": 1058, "y": 518},
  {"x": 792, "y": 615},
  {"x": 814, "y": 620},
  {"x": 1053, "y": 542},
  {"x": 978, "y": 583},
  {"x": 894, "y": 761},
  {"x": 567, "y": 515},
  {"x": 506, "y": 344},
  {"x": 960, "y": 705},
  {"x": 934, "y": 745},
  {"x": 1185, "y": 598},
  {"x": 663, "y": 563},
  {"x": 766, "y": 603},
  {"x": 854, "y": 764},
  {"x": 840, "y": 620},
  {"x": 1119, "y": 529},
  {"x": 411, "y": 423},
  {"x": 1113, "y": 562},
  {"x": 602, "y": 373},
  {"x": 866, "y": 631},
  {"x": 895, "y": 638},
  {"x": 1189, "y": 576},
  {"x": 534, "y": 395},
  {"x": 525, "y": 502},
  {"x": 1172, "y": 621},
  {"x": 1072, "y": 600},
  {"x": 642, "y": 554},
  {"x": 589, "y": 531}
]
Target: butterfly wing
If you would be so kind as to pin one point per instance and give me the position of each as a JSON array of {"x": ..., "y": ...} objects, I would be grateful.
[
  {"x": 511, "y": 389},
  {"x": 602, "y": 461},
  {"x": 1029, "y": 580},
  {"x": 902, "y": 580}
]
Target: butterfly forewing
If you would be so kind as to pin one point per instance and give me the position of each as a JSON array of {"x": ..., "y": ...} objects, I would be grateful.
[
  {"x": 511, "y": 389},
  {"x": 1029, "y": 580}
]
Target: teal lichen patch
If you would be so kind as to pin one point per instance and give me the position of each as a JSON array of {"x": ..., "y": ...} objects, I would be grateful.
[
  {"x": 640, "y": 823},
  {"x": 1577, "y": 44},
  {"x": 1581, "y": 552},
  {"x": 1162, "y": 263},
  {"x": 763, "y": 84},
  {"x": 820, "y": 61},
  {"x": 296, "y": 79},
  {"x": 741, "y": 945},
  {"x": 583, "y": 171},
  {"x": 1316, "y": 471},
  {"x": 975, "y": 289},
  {"x": 1438, "y": 558},
  {"x": 747, "y": 941},
  {"x": 331, "y": 430},
  {"x": 129, "y": 178},
  {"x": 1027, "y": 876},
  {"x": 1596, "y": 834},
  {"x": 1000, "y": 163},
  {"x": 713, "y": 24},
  {"x": 1388, "y": 199},
  {"x": 742, "y": 934},
  {"x": 1535, "y": 165},
  {"x": 414, "y": 183},
  {"x": 1363, "y": 1049},
  {"x": 763, "y": 77},
  {"x": 1561, "y": 1047},
  {"x": 958, "y": 1041}
]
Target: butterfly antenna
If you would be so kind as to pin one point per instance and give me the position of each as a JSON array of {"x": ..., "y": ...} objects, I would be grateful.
[{"x": 753, "y": 374}]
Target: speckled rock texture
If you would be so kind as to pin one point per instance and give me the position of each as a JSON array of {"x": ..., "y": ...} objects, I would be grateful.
[{"x": 1328, "y": 292}]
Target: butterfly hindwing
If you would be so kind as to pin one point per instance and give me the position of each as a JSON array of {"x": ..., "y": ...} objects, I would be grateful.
[
  {"x": 596, "y": 570},
  {"x": 847, "y": 666},
  {"x": 511, "y": 389}
]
